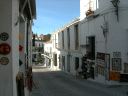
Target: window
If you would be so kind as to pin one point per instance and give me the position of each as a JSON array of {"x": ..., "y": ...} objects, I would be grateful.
[
  {"x": 63, "y": 39},
  {"x": 63, "y": 62},
  {"x": 59, "y": 41},
  {"x": 55, "y": 59},
  {"x": 125, "y": 67},
  {"x": 53, "y": 41},
  {"x": 91, "y": 47},
  {"x": 56, "y": 43},
  {"x": 76, "y": 63},
  {"x": 116, "y": 64},
  {"x": 68, "y": 38},
  {"x": 101, "y": 70},
  {"x": 68, "y": 63},
  {"x": 76, "y": 37}
]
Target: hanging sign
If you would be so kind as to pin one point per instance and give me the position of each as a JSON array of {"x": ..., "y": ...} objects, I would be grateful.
[
  {"x": 5, "y": 48},
  {"x": 4, "y": 61},
  {"x": 4, "y": 36}
]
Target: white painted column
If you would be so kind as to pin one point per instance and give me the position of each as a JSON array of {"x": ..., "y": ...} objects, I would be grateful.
[
  {"x": 22, "y": 43},
  {"x": 9, "y": 15}
]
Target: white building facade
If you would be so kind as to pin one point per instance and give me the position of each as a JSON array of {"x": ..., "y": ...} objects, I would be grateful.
[
  {"x": 55, "y": 63},
  {"x": 104, "y": 33},
  {"x": 66, "y": 51},
  {"x": 15, "y": 46},
  {"x": 101, "y": 34},
  {"x": 47, "y": 54}
]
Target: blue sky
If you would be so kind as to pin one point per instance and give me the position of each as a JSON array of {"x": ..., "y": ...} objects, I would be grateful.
[{"x": 51, "y": 14}]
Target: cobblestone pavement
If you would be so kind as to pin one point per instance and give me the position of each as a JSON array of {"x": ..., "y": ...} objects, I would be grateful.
[{"x": 57, "y": 83}]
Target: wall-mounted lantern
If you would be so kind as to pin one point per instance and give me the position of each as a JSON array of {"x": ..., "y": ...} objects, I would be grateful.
[{"x": 116, "y": 5}]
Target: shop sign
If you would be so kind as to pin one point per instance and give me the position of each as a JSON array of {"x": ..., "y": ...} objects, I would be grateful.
[
  {"x": 4, "y": 36},
  {"x": 5, "y": 48},
  {"x": 4, "y": 60}
]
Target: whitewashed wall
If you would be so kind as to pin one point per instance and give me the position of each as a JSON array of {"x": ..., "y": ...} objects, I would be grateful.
[
  {"x": 8, "y": 73},
  {"x": 65, "y": 51},
  {"x": 117, "y": 35}
]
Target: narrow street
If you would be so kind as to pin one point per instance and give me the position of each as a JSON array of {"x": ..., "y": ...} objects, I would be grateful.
[{"x": 58, "y": 83}]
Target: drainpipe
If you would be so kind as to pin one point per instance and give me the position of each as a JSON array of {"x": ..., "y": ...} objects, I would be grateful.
[
  {"x": 116, "y": 5},
  {"x": 27, "y": 53},
  {"x": 22, "y": 9}
]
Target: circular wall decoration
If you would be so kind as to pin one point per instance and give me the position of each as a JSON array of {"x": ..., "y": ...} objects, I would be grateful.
[
  {"x": 4, "y": 36},
  {"x": 4, "y": 60},
  {"x": 5, "y": 48}
]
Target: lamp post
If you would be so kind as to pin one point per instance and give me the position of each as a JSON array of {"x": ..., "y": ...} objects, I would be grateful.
[{"x": 116, "y": 5}]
